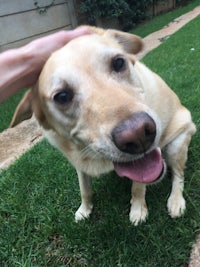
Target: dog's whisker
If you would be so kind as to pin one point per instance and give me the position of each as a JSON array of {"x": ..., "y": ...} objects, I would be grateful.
[
  {"x": 88, "y": 152},
  {"x": 85, "y": 152}
]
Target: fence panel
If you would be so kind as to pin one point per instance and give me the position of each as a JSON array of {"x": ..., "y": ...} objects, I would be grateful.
[{"x": 21, "y": 21}]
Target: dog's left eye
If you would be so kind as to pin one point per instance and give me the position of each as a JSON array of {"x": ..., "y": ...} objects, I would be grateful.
[
  {"x": 118, "y": 64},
  {"x": 63, "y": 97}
]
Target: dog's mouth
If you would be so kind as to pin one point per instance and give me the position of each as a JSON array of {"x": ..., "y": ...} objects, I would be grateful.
[{"x": 147, "y": 169}]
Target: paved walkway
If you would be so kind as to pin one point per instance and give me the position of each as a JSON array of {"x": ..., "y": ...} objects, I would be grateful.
[{"x": 154, "y": 39}]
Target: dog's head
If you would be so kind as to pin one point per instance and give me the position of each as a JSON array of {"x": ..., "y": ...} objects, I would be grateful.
[{"x": 90, "y": 94}]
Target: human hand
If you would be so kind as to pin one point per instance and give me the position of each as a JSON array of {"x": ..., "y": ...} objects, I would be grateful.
[{"x": 40, "y": 49}]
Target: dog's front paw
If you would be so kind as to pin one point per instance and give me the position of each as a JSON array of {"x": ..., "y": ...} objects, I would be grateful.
[
  {"x": 83, "y": 212},
  {"x": 176, "y": 206},
  {"x": 138, "y": 212}
]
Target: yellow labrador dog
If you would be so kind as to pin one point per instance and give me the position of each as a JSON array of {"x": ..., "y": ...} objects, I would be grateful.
[{"x": 107, "y": 111}]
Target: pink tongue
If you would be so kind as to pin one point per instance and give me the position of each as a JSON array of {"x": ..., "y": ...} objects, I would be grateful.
[{"x": 143, "y": 170}]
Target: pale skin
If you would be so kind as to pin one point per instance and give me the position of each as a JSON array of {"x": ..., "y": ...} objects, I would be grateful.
[{"x": 20, "y": 67}]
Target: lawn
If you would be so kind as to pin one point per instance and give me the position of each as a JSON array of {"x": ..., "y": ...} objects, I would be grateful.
[
  {"x": 39, "y": 195},
  {"x": 162, "y": 20}
]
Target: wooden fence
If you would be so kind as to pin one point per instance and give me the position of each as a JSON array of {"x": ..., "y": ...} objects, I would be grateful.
[{"x": 23, "y": 20}]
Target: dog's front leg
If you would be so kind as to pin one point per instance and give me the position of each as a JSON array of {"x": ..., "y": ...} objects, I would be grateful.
[
  {"x": 177, "y": 157},
  {"x": 86, "y": 206},
  {"x": 138, "y": 212}
]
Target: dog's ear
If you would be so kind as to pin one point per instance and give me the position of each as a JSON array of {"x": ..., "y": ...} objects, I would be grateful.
[
  {"x": 131, "y": 43},
  {"x": 28, "y": 105},
  {"x": 23, "y": 110}
]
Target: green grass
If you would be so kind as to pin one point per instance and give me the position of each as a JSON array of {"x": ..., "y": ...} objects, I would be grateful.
[
  {"x": 7, "y": 109},
  {"x": 162, "y": 20},
  {"x": 39, "y": 195}
]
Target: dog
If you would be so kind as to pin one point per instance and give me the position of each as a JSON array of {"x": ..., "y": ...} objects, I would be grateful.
[{"x": 105, "y": 110}]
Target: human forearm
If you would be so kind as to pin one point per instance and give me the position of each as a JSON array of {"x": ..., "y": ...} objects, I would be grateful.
[
  {"x": 16, "y": 71},
  {"x": 20, "y": 68}
]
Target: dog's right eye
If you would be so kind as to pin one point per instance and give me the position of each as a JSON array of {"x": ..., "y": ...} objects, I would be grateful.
[
  {"x": 118, "y": 64},
  {"x": 63, "y": 97}
]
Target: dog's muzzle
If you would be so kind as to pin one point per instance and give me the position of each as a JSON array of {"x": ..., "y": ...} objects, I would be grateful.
[{"x": 136, "y": 136}]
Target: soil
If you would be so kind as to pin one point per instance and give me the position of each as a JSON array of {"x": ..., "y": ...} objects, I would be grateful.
[{"x": 15, "y": 141}]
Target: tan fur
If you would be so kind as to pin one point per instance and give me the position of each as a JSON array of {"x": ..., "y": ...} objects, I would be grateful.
[{"x": 102, "y": 99}]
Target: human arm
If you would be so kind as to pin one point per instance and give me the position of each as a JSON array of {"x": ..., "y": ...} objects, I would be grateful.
[{"x": 20, "y": 68}]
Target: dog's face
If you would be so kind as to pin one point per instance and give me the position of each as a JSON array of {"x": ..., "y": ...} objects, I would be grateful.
[{"x": 90, "y": 94}]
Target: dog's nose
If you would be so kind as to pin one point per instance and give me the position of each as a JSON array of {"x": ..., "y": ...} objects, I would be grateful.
[{"x": 136, "y": 134}]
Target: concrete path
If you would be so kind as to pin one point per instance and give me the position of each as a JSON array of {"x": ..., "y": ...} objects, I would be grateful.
[{"x": 154, "y": 39}]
